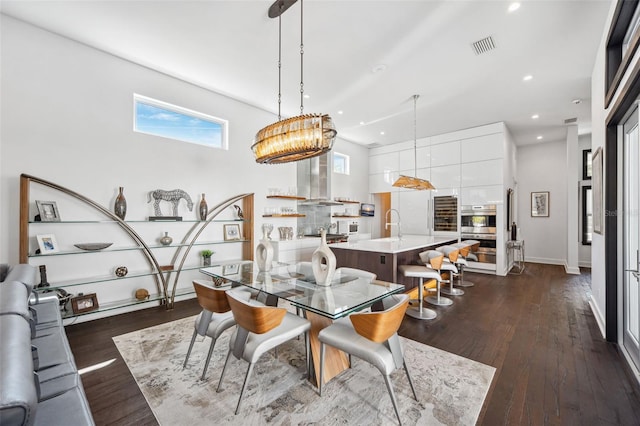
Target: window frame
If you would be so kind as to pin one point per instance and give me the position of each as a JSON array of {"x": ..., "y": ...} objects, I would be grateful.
[
  {"x": 584, "y": 222},
  {"x": 347, "y": 163},
  {"x": 145, "y": 100}
]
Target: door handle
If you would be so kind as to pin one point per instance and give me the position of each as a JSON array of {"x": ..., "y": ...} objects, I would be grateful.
[{"x": 635, "y": 273}]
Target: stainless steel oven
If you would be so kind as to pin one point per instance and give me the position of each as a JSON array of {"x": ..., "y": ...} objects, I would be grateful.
[
  {"x": 479, "y": 223},
  {"x": 478, "y": 219},
  {"x": 486, "y": 253}
]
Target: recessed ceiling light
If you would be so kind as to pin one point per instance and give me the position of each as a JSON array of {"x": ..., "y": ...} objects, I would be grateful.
[
  {"x": 527, "y": 77},
  {"x": 340, "y": 112},
  {"x": 382, "y": 133},
  {"x": 576, "y": 101},
  {"x": 362, "y": 123},
  {"x": 539, "y": 137},
  {"x": 514, "y": 6},
  {"x": 535, "y": 116},
  {"x": 307, "y": 96}
]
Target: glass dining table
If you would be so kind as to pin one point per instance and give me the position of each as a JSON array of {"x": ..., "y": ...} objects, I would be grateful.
[{"x": 321, "y": 305}]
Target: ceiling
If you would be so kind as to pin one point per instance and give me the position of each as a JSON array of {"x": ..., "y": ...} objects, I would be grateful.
[{"x": 363, "y": 60}]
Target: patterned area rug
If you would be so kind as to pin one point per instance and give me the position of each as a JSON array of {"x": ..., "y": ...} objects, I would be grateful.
[{"x": 450, "y": 389}]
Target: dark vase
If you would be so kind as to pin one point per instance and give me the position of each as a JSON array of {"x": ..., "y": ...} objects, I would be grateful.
[
  {"x": 120, "y": 208},
  {"x": 204, "y": 209},
  {"x": 514, "y": 232}
]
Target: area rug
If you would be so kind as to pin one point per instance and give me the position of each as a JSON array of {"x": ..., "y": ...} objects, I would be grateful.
[{"x": 451, "y": 389}]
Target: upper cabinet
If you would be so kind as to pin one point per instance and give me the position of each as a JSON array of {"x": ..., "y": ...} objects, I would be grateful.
[{"x": 487, "y": 147}]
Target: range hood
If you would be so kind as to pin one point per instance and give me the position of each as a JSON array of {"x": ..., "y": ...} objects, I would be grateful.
[{"x": 314, "y": 181}]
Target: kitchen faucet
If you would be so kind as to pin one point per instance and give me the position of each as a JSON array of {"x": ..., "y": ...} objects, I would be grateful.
[{"x": 387, "y": 216}]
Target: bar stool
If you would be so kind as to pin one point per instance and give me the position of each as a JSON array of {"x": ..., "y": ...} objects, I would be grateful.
[
  {"x": 434, "y": 260},
  {"x": 473, "y": 247},
  {"x": 465, "y": 250},
  {"x": 449, "y": 265},
  {"x": 422, "y": 272}
]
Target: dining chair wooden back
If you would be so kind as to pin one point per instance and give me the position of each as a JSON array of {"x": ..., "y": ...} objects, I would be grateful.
[
  {"x": 260, "y": 328},
  {"x": 372, "y": 337}
]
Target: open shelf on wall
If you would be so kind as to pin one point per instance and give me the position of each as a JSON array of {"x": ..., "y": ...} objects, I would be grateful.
[
  {"x": 287, "y": 197},
  {"x": 285, "y": 215}
]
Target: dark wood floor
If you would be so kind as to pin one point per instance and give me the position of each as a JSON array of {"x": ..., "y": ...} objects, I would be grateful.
[{"x": 536, "y": 329}]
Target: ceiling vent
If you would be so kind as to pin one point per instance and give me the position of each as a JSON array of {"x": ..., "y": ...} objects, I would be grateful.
[
  {"x": 571, "y": 120},
  {"x": 484, "y": 45}
]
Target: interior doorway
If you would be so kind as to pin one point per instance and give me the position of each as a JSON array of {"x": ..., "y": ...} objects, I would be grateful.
[
  {"x": 382, "y": 201},
  {"x": 631, "y": 237}
]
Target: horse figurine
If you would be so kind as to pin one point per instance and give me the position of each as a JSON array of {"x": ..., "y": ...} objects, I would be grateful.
[{"x": 172, "y": 196}]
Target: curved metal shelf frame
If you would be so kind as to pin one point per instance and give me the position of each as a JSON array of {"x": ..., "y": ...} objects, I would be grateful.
[
  {"x": 187, "y": 243},
  {"x": 25, "y": 182},
  {"x": 182, "y": 250}
]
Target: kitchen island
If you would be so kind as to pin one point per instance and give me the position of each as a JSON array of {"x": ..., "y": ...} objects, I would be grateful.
[{"x": 382, "y": 256}]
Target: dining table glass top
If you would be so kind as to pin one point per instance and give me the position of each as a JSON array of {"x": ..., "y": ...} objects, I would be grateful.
[{"x": 295, "y": 283}]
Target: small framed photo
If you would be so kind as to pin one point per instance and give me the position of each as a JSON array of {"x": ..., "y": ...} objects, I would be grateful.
[
  {"x": 540, "y": 204},
  {"x": 48, "y": 211},
  {"x": 84, "y": 303},
  {"x": 231, "y": 269},
  {"x": 47, "y": 243},
  {"x": 232, "y": 232}
]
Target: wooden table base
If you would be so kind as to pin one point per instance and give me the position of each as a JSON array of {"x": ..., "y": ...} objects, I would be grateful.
[{"x": 335, "y": 361}]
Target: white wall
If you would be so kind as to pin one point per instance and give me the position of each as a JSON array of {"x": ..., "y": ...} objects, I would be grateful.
[
  {"x": 67, "y": 118},
  {"x": 541, "y": 167}
]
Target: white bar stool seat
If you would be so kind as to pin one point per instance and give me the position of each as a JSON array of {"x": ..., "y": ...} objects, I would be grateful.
[{"x": 422, "y": 272}]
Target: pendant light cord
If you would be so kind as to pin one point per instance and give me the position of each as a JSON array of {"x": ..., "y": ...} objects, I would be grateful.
[
  {"x": 415, "y": 136},
  {"x": 301, "y": 60},
  {"x": 280, "y": 61}
]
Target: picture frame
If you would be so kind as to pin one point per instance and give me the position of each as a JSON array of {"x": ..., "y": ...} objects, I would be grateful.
[
  {"x": 231, "y": 269},
  {"x": 540, "y": 204},
  {"x": 84, "y": 303},
  {"x": 232, "y": 232},
  {"x": 48, "y": 211},
  {"x": 597, "y": 191},
  {"x": 587, "y": 164},
  {"x": 47, "y": 243}
]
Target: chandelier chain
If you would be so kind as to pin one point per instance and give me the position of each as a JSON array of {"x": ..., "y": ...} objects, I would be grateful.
[
  {"x": 280, "y": 62},
  {"x": 415, "y": 135}
]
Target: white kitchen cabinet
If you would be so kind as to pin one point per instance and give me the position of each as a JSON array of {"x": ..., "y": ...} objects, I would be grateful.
[
  {"x": 482, "y": 173},
  {"x": 384, "y": 162},
  {"x": 480, "y": 148},
  {"x": 446, "y": 176},
  {"x": 445, "y": 154}
]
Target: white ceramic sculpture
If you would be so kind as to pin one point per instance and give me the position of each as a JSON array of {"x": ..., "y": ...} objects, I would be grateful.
[
  {"x": 264, "y": 252},
  {"x": 323, "y": 262}
]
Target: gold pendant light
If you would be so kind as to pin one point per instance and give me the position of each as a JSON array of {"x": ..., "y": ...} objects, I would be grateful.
[
  {"x": 296, "y": 138},
  {"x": 408, "y": 181}
]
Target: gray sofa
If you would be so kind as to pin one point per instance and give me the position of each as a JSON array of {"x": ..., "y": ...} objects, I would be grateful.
[{"x": 39, "y": 381}]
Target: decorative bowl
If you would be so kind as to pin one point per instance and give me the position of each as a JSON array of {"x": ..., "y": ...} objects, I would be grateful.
[{"x": 92, "y": 246}]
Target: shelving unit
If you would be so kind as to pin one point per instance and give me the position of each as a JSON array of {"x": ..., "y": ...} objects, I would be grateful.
[
  {"x": 285, "y": 215},
  {"x": 166, "y": 280},
  {"x": 287, "y": 197},
  {"x": 345, "y": 217}
]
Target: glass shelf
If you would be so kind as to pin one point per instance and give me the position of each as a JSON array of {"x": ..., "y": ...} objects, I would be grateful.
[
  {"x": 284, "y": 215},
  {"x": 138, "y": 221},
  {"x": 106, "y": 278},
  {"x": 202, "y": 243},
  {"x": 103, "y": 307}
]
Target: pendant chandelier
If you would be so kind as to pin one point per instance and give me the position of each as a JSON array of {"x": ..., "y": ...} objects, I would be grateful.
[
  {"x": 414, "y": 182},
  {"x": 296, "y": 138}
]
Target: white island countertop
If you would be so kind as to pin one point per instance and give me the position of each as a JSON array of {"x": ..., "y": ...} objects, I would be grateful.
[{"x": 394, "y": 245}]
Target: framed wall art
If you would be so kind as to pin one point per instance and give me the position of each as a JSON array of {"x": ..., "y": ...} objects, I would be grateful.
[
  {"x": 47, "y": 243},
  {"x": 84, "y": 303},
  {"x": 48, "y": 211},
  {"x": 597, "y": 192},
  {"x": 232, "y": 232},
  {"x": 540, "y": 204},
  {"x": 587, "y": 164}
]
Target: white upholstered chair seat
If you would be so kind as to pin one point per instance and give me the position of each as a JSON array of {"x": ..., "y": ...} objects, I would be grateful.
[
  {"x": 341, "y": 334},
  {"x": 257, "y": 344}
]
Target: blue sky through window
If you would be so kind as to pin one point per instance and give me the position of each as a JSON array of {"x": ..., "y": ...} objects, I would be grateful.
[{"x": 155, "y": 120}]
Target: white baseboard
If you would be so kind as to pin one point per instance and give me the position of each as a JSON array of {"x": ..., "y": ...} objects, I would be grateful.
[
  {"x": 584, "y": 264},
  {"x": 574, "y": 270},
  {"x": 545, "y": 260},
  {"x": 598, "y": 316}
]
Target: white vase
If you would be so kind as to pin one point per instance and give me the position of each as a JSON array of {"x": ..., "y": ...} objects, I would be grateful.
[
  {"x": 264, "y": 253},
  {"x": 323, "y": 262}
]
